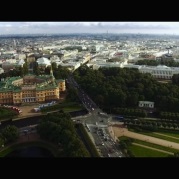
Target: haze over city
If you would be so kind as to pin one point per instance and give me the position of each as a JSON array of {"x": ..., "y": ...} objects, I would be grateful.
[{"x": 88, "y": 27}]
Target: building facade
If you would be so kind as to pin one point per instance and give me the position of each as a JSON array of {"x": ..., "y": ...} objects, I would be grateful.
[
  {"x": 146, "y": 104},
  {"x": 159, "y": 72},
  {"x": 30, "y": 89}
]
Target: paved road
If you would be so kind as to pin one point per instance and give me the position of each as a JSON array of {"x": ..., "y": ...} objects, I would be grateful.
[{"x": 96, "y": 123}]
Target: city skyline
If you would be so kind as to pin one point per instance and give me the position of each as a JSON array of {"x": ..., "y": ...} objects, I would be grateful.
[{"x": 88, "y": 27}]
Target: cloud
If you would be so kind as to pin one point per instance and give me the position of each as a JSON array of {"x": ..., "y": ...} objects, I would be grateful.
[{"x": 88, "y": 27}]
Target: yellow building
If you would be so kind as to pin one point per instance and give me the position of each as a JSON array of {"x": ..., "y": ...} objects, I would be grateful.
[{"x": 30, "y": 89}]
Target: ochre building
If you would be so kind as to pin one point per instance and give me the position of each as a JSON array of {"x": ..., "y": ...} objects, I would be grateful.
[{"x": 30, "y": 89}]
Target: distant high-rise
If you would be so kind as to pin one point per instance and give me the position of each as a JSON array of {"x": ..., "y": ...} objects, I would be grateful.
[{"x": 14, "y": 43}]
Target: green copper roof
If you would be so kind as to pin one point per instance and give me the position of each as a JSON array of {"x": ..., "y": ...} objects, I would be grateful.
[{"x": 7, "y": 86}]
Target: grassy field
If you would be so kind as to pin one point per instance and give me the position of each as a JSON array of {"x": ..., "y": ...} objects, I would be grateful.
[
  {"x": 66, "y": 106},
  {"x": 152, "y": 134},
  {"x": 172, "y": 134},
  {"x": 139, "y": 151},
  {"x": 167, "y": 149},
  {"x": 72, "y": 108}
]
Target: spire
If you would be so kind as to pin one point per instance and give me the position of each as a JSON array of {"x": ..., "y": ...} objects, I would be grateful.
[
  {"x": 51, "y": 71},
  {"x": 51, "y": 74}
]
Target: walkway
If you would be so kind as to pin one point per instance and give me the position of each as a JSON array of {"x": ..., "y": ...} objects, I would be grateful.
[{"x": 118, "y": 132}]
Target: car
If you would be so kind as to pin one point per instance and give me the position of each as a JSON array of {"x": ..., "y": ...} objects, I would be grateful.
[
  {"x": 102, "y": 143},
  {"x": 92, "y": 109},
  {"x": 25, "y": 131}
]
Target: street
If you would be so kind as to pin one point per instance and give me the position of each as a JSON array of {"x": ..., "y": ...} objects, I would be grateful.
[{"x": 97, "y": 125}]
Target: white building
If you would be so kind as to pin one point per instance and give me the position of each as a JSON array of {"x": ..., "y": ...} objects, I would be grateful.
[
  {"x": 160, "y": 71},
  {"x": 159, "y": 54},
  {"x": 1, "y": 71},
  {"x": 107, "y": 64},
  {"x": 20, "y": 56},
  {"x": 43, "y": 62},
  {"x": 12, "y": 61},
  {"x": 146, "y": 104},
  {"x": 71, "y": 65},
  {"x": 20, "y": 63},
  {"x": 55, "y": 58}
]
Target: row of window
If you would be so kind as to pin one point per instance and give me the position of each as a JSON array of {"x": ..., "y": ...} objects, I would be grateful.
[
  {"x": 27, "y": 95},
  {"x": 146, "y": 105},
  {"x": 162, "y": 72},
  {"x": 158, "y": 72},
  {"x": 6, "y": 101},
  {"x": 6, "y": 96},
  {"x": 17, "y": 101},
  {"x": 17, "y": 96},
  {"x": 162, "y": 76},
  {"x": 28, "y": 91}
]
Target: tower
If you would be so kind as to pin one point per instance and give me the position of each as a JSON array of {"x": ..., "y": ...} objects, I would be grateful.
[
  {"x": 14, "y": 43},
  {"x": 51, "y": 74}
]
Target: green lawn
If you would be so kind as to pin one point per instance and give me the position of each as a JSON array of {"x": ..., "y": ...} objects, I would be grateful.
[
  {"x": 72, "y": 108},
  {"x": 173, "y": 134},
  {"x": 168, "y": 149},
  {"x": 156, "y": 135},
  {"x": 67, "y": 107},
  {"x": 139, "y": 151}
]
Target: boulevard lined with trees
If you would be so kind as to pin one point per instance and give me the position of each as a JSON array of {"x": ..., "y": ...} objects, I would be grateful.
[{"x": 114, "y": 88}]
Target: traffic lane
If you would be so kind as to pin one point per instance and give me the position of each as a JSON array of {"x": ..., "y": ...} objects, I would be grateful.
[
  {"x": 99, "y": 142},
  {"x": 94, "y": 118},
  {"x": 105, "y": 148},
  {"x": 112, "y": 151},
  {"x": 95, "y": 135},
  {"x": 109, "y": 144},
  {"x": 115, "y": 145}
]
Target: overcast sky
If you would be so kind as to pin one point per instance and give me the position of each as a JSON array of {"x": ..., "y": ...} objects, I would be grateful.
[{"x": 89, "y": 27}]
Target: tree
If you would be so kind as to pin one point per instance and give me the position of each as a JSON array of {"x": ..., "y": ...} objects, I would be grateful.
[
  {"x": 36, "y": 69},
  {"x": 72, "y": 95},
  {"x": 25, "y": 68},
  {"x": 176, "y": 154},
  {"x": 47, "y": 70},
  {"x": 59, "y": 128},
  {"x": 99, "y": 100},
  {"x": 123, "y": 144},
  {"x": 10, "y": 133},
  {"x": 1, "y": 142},
  {"x": 54, "y": 66},
  {"x": 175, "y": 79}
]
